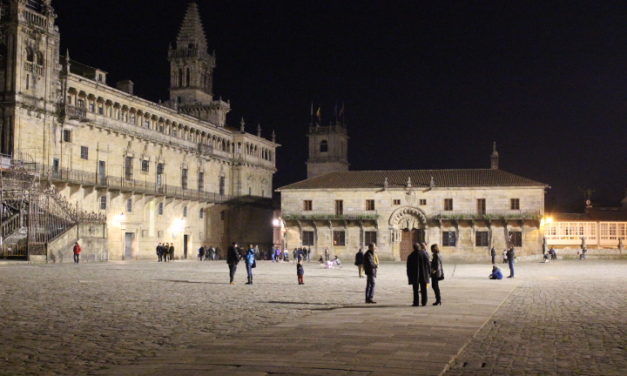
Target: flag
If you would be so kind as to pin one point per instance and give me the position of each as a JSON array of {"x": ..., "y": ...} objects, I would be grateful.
[{"x": 319, "y": 114}]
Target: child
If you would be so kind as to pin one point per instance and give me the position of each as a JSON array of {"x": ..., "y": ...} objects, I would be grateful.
[{"x": 300, "y": 271}]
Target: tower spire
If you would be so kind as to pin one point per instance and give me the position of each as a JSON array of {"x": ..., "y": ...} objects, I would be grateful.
[
  {"x": 494, "y": 158},
  {"x": 191, "y": 33}
]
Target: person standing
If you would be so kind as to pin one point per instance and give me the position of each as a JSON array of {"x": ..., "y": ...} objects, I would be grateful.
[
  {"x": 418, "y": 272},
  {"x": 359, "y": 261},
  {"x": 300, "y": 271},
  {"x": 171, "y": 251},
  {"x": 77, "y": 252},
  {"x": 326, "y": 254},
  {"x": 250, "y": 263},
  {"x": 437, "y": 273},
  {"x": 232, "y": 259},
  {"x": 371, "y": 264},
  {"x": 159, "y": 252},
  {"x": 493, "y": 255},
  {"x": 201, "y": 253},
  {"x": 511, "y": 254}
]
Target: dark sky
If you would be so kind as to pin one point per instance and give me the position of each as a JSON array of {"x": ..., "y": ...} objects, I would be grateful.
[{"x": 426, "y": 84}]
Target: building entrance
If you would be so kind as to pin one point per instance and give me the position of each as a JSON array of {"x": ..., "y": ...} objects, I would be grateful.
[
  {"x": 128, "y": 245},
  {"x": 408, "y": 238}
]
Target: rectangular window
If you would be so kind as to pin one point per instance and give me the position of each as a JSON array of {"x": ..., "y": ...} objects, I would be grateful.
[
  {"x": 129, "y": 205},
  {"x": 100, "y": 109},
  {"x": 308, "y": 238},
  {"x": 201, "y": 181},
  {"x": 160, "y": 208},
  {"x": 481, "y": 239},
  {"x": 369, "y": 204},
  {"x": 84, "y": 152},
  {"x": 55, "y": 165},
  {"x": 145, "y": 165},
  {"x": 481, "y": 206},
  {"x": 449, "y": 238},
  {"x": 67, "y": 135},
  {"x": 515, "y": 237},
  {"x": 370, "y": 237},
  {"x": 201, "y": 213},
  {"x": 423, "y": 202},
  {"x": 339, "y": 238},
  {"x": 397, "y": 202},
  {"x": 92, "y": 107},
  {"x": 185, "y": 211},
  {"x": 448, "y": 204},
  {"x": 222, "y": 185},
  {"x": 307, "y": 205},
  {"x": 128, "y": 168},
  {"x": 515, "y": 204},
  {"x": 339, "y": 207},
  {"x": 103, "y": 202},
  {"x": 184, "y": 178}
]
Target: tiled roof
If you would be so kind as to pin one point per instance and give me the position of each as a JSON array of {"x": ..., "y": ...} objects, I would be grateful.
[{"x": 419, "y": 178}]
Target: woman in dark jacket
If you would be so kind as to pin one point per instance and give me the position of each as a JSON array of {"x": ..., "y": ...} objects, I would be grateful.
[{"x": 437, "y": 273}]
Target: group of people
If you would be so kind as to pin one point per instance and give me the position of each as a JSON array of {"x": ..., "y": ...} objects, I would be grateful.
[
  {"x": 509, "y": 257},
  {"x": 165, "y": 252},
  {"x": 234, "y": 255},
  {"x": 207, "y": 253}
]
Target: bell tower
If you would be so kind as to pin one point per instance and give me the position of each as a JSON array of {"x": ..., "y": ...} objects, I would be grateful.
[
  {"x": 328, "y": 145},
  {"x": 191, "y": 72}
]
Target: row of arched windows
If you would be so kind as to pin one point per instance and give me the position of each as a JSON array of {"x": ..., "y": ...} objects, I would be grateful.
[{"x": 34, "y": 57}]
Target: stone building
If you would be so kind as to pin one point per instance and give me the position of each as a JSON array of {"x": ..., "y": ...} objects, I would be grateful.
[
  {"x": 464, "y": 211},
  {"x": 161, "y": 172}
]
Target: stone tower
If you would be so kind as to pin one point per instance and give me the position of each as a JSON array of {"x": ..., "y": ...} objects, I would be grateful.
[
  {"x": 29, "y": 75},
  {"x": 328, "y": 146},
  {"x": 494, "y": 158},
  {"x": 191, "y": 72}
]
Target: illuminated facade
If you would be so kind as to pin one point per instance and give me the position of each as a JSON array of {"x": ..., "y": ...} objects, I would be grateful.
[{"x": 161, "y": 172}]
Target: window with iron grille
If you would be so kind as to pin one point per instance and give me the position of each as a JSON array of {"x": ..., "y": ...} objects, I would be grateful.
[
  {"x": 423, "y": 202},
  {"x": 448, "y": 204},
  {"x": 103, "y": 202},
  {"x": 145, "y": 165},
  {"x": 201, "y": 181},
  {"x": 307, "y": 205},
  {"x": 481, "y": 206},
  {"x": 184, "y": 178},
  {"x": 160, "y": 208},
  {"x": 67, "y": 135},
  {"x": 339, "y": 238},
  {"x": 84, "y": 152},
  {"x": 129, "y": 205},
  {"x": 370, "y": 237},
  {"x": 369, "y": 204},
  {"x": 515, "y": 204},
  {"x": 481, "y": 239},
  {"x": 222, "y": 185},
  {"x": 128, "y": 168},
  {"x": 339, "y": 207},
  {"x": 449, "y": 238},
  {"x": 397, "y": 202},
  {"x": 308, "y": 238}
]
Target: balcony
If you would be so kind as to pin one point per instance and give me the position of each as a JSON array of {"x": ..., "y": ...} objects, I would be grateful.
[
  {"x": 331, "y": 217},
  {"x": 76, "y": 113},
  {"x": 513, "y": 215}
]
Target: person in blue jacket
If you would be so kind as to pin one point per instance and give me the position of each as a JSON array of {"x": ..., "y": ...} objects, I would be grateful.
[
  {"x": 250, "y": 263},
  {"x": 496, "y": 273}
]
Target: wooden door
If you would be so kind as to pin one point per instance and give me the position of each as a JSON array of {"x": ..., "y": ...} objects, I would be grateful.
[{"x": 408, "y": 238}]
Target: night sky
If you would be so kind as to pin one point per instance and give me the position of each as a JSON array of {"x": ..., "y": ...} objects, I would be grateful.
[{"x": 426, "y": 85}]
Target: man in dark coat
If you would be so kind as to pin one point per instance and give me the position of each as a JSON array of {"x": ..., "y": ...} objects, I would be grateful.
[
  {"x": 511, "y": 255},
  {"x": 232, "y": 259},
  {"x": 171, "y": 251},
  {"x": 371, "y": 263},
  {"x": 418, "y": 272},
  {"x": 159, "y": 252},
  {"x": 359, "y": 262},
  {"x": 493, "y": 255}
]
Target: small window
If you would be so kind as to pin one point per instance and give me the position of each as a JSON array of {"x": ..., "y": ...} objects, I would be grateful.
[
  {"x": 103, "y": 202},
  {"x": 515, "y": 238},
  {"x": 339, "y": 207},
  {"x": 184, "y": 178},
  {"x": 201, "y": 181},
  {"x": 185, "y": 211},
  {"x": 67, "y": 135},
  {"x": 55, "y": 165},
  {"x": 145, "y": 165},
  {"x": 308, "y": 238},
  {"x": 128, "y": 168},
  {"x": 448, "y": 204},
  {"x": 449, "y": 238},
  {"x": 324, "y": 146},
  {"x": 370, "y": 205},
  {"x": 481, "y": 239},
  {"x": 423, "y": 202},
  {"x": 397, "y": 202},
  {"x": 100, "y": 109},
  {"x": 160, "y": 208},
  {"x": 92, "y": 107},
  {"x": 481, "y": 206},
  {"x": 370, "y": 237},
  {"x": 339, "y": 238},
  {"x": 160, "y": 168},
  {"x": 30, "y": 55},
  {"x": 222, "y": 185},
  {"x": 307, "y": 205},
  {"x": 129, "y": 205},
  {"x": 201, "y": 213},
  {"x": 515, "y": 204},
  {"x": 84, "y": 152},
  {"x": 40, "y": 59}
]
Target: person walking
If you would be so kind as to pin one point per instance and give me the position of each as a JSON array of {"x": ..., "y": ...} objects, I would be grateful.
[
  {"x": 300, "y": 271},
  {"x": 232, "y": 259},
  {"x": 511, "y": 254},
  {"x": 371, "y": 264},
  {"x": 77, "y": 252},
  {"x": 493, "y": 255},
  {"x": 250, "y": 263},
  {"x": 359, "y": 261},
  {"x": 418, "y": 272},
  {"x": 437, "y": 273}
]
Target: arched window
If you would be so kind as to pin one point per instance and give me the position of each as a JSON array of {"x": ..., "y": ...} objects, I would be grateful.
[
  {"x": 188, "y": 77},
  {"x": 40, "y": 59},
  {"x": 29, "y": 55},
  {"x": 324, "y": 146}
]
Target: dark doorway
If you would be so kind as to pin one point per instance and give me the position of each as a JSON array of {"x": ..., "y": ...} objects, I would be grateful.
[
  {"x": 408, "y": 238},
  {"x": 128, "y": 245},
  {"x": 185, "y": 245}
]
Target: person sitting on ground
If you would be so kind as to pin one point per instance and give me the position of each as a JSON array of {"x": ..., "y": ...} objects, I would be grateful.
[
  {"x": 553, "y": 253},
  {"x": 496, "y": 273},
  {"x": 321, "y": 260},
  {"x": 337, "y": 261}
]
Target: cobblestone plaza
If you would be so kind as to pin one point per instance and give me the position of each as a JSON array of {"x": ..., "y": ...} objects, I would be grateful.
[{"x": 182, "y": 318}]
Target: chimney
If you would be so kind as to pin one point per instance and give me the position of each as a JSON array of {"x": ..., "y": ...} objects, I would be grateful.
[{"x": 126, "y": 86}]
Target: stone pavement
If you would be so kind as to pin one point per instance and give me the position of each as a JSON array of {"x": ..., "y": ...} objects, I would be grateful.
[{"x": 182, "y": 318}]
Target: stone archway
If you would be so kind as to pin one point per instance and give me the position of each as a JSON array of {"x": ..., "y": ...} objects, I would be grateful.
[{"x": 407, "y": 226}]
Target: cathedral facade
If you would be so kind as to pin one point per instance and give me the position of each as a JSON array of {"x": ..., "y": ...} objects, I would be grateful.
[
  {"x": 161, "y": 172},
  {"x": 465, "y": 212}
]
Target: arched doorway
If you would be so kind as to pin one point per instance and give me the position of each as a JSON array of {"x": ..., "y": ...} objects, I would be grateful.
[{"x": 408, "y": 225}]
